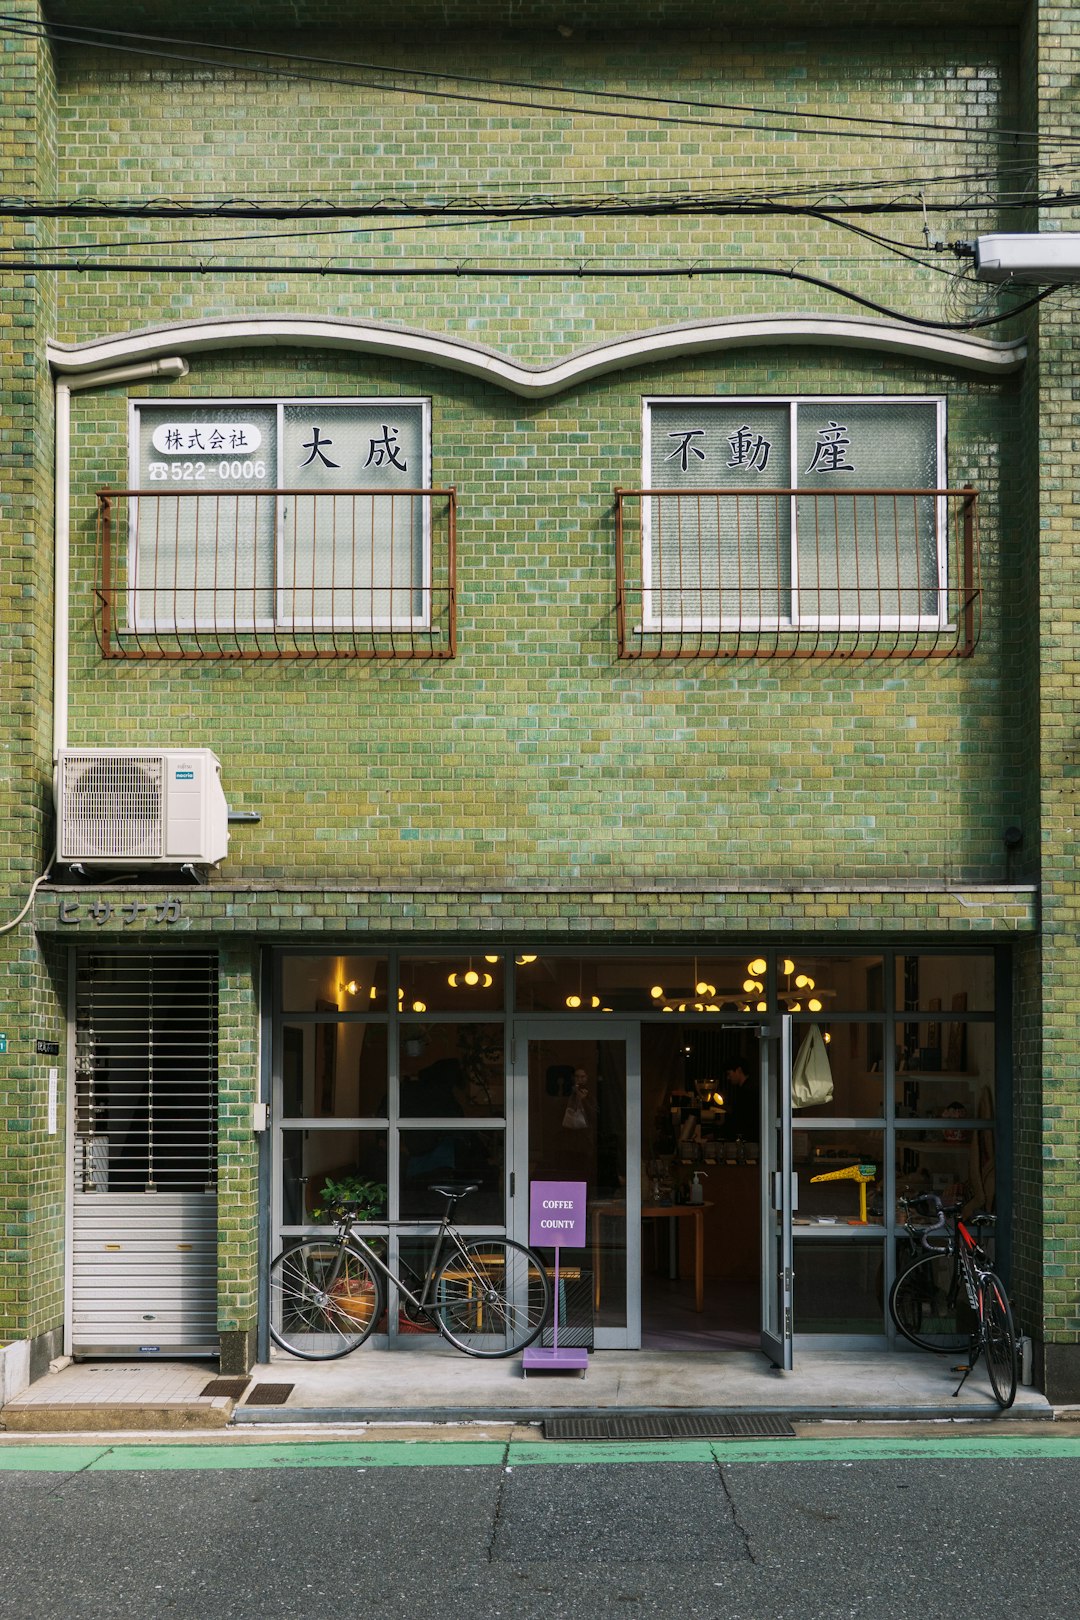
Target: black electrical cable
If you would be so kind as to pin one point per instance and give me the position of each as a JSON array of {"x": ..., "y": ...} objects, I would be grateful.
[
  {"x": 465, "y": 270},
  {"x": 71, "y": 33},
  {"x": 67, "y": 34},
  {"x": 908, "y": 251},
  {"x": 742, "y": 201}
]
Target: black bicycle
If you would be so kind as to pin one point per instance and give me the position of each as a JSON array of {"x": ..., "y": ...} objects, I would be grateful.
[
  {"x": 948, "y": 1298},
  {"x": 488, "y": 1296}
]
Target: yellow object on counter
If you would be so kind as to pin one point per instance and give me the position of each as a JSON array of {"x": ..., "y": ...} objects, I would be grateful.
[{"x": 862, "y": 1173}]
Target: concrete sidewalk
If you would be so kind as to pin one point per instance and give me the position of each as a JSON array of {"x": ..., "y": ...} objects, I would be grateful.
[{"x": 435, "y": 1384}]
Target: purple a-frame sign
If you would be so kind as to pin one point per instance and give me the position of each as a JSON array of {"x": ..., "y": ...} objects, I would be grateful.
[{"x": 556, "y": 1220}]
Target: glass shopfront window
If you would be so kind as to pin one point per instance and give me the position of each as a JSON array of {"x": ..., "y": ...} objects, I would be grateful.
[
  {"x": 333, "y": 1070},
  {"x": 468, "y": 982},
  {"x": 310, "y": 1159},
  {"x": 400, "y": 1069},
  {"x": 346, "y": 984},
  {"x": 843, "y": 1078},
  {"x": 451, "y": 1071}
]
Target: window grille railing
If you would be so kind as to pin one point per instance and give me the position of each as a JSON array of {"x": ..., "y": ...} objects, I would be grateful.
[
  {"x": 863, "y": 573},
  {"x": 278, "y": 573}
]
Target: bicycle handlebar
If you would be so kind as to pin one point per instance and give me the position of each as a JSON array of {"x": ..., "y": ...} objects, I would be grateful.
[{"x": 937, "y": 1214}]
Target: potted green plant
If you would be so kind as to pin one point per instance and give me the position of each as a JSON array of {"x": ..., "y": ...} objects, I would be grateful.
[{"x": 365, "y": 1200}]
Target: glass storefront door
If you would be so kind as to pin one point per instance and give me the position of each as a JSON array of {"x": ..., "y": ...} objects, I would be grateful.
[
  {"x": 579, "y": 1093},
  {"x": 777, "y": 1201}
]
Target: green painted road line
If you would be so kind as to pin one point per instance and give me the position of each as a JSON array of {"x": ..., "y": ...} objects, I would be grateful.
[
  {"x": 851, "y": 1449},
  {"x": 562, "y": 1452},
  {"x": 309, "y": 1454},
  {"x": 123, "y": 1458},
  {"x": 34, "y": 1458}
]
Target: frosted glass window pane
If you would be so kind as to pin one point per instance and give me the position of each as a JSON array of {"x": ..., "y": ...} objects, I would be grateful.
[
  {"x": 713, "y": 556},
  {"x": 347, "y": 558},
  {"x": 204, "y": 555}
]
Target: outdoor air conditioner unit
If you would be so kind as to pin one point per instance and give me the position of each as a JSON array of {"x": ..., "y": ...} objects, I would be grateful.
[{"x": 140, "y": 807}]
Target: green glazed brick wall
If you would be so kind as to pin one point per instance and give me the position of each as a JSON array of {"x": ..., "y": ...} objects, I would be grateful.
[
  {"x": 238, "y": 1147},
  {"x": 31, "y": 1005},
  {"x": 1057, "y": 427},
  {"x": 647, "y": 914},
  {"x": 536, "y": 754},
  {"x": 185, "y": 129},
  {"x": 32, "y": 1163}
]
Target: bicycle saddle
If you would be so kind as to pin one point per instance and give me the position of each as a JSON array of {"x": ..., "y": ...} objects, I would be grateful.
[{"x": 455, "y": 1189}]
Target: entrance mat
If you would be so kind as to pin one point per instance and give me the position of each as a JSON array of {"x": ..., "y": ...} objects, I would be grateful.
[
  {"x": 233, "y": 1387},
  {"x": 269, "y": 1394},
  {"x": 671, "y": 1426}
]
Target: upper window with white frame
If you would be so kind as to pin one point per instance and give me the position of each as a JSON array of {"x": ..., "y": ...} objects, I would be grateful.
[
  {"x": 792, "y": 515},
  {"x": 276, "y": 520}
]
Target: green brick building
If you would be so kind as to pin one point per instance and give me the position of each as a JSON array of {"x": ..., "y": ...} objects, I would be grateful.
[{"x": 565, "y": 473}]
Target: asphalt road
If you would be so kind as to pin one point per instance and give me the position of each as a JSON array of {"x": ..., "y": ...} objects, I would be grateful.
[{"x": 778, "y": 1534}]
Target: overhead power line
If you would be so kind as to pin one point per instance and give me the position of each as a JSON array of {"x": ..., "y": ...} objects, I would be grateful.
[
  {"x": 432, "y": 84},
  {"x": 666, "y": 204},
  {"x": 586, "y": 270}
]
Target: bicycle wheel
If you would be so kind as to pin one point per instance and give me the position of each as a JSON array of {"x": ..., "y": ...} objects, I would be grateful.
[
  {"x": 929, "y": 1305},
  {"x": 325, "y": 1299},
  {"x": 998, "y": 1339},
  {"x": 492, "y": 1297}
]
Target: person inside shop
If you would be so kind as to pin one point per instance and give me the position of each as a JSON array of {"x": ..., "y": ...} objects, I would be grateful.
[{"x": 742, "y": 1116}]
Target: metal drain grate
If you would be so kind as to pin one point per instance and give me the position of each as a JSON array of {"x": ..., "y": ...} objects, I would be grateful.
[
  {"x": 671, "y": 1426},
  {"x": 233, "y": 1387},
  {"x": 269, "y": 1394}
]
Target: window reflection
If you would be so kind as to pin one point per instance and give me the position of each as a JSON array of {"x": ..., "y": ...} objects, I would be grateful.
[
  {"x": 347, "y": 984},
  {"x": 958, "y": 1165},
  {"x": 839, "y": 1287},
  {"x": 949, "y": 1052},
  {"x": 945, "y": 983},
  {"x": 466, "y": 983},
  {"x": 841, "y": 1056},
  {"x": 829, "y": 984},
  {"x": 832, "y": 1167},
  {"x": 310, "y": 1158},
  {"x": 333, "y": 1071},
  {"x": 619, "y": 985},
  {"x": 428, "y": 1157},
  {"x": 452, "y": 1071}
]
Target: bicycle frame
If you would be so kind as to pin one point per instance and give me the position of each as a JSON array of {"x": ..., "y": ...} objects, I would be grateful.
[
  {"x": 974, "y": 1264},
  {"x": 347, "y": 1233},
  {"x": 970, "y": 1261}
]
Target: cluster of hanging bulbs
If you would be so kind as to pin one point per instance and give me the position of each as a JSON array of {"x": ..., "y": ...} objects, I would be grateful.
[
  {"x": 481, "y": 978},
  {"x": 803, "y": 983},
  {"x": 753, "y": 986}
]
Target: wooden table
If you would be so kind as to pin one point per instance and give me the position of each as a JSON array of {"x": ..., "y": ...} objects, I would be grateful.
[
  {"x": 673, "y": 1213},
  {"x": 655, "y": 1212}
]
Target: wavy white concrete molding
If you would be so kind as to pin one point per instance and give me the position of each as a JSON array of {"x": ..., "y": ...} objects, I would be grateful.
[{"x": 534, "y": 382}]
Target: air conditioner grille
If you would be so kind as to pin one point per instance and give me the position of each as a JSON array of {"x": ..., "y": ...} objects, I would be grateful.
[{"x": 113, "y": 806}]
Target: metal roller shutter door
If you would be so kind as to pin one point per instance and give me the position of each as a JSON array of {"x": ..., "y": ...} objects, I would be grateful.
[{"x": 144, "y": 1240}]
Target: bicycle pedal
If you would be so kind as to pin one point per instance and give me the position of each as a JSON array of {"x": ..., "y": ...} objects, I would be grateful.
[{"x": 962, "y": 1366}]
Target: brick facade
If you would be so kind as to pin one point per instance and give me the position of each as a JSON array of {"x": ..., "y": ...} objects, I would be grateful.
[{"x": 535, "y": 786}]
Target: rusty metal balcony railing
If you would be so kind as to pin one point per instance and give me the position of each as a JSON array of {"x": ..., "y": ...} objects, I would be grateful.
[
  {"x": 734, "y": 573},
  {"x": 283, "y": 573}
]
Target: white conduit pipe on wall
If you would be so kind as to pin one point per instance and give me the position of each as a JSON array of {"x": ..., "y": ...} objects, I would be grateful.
[{"x": 170, "y": 366}]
